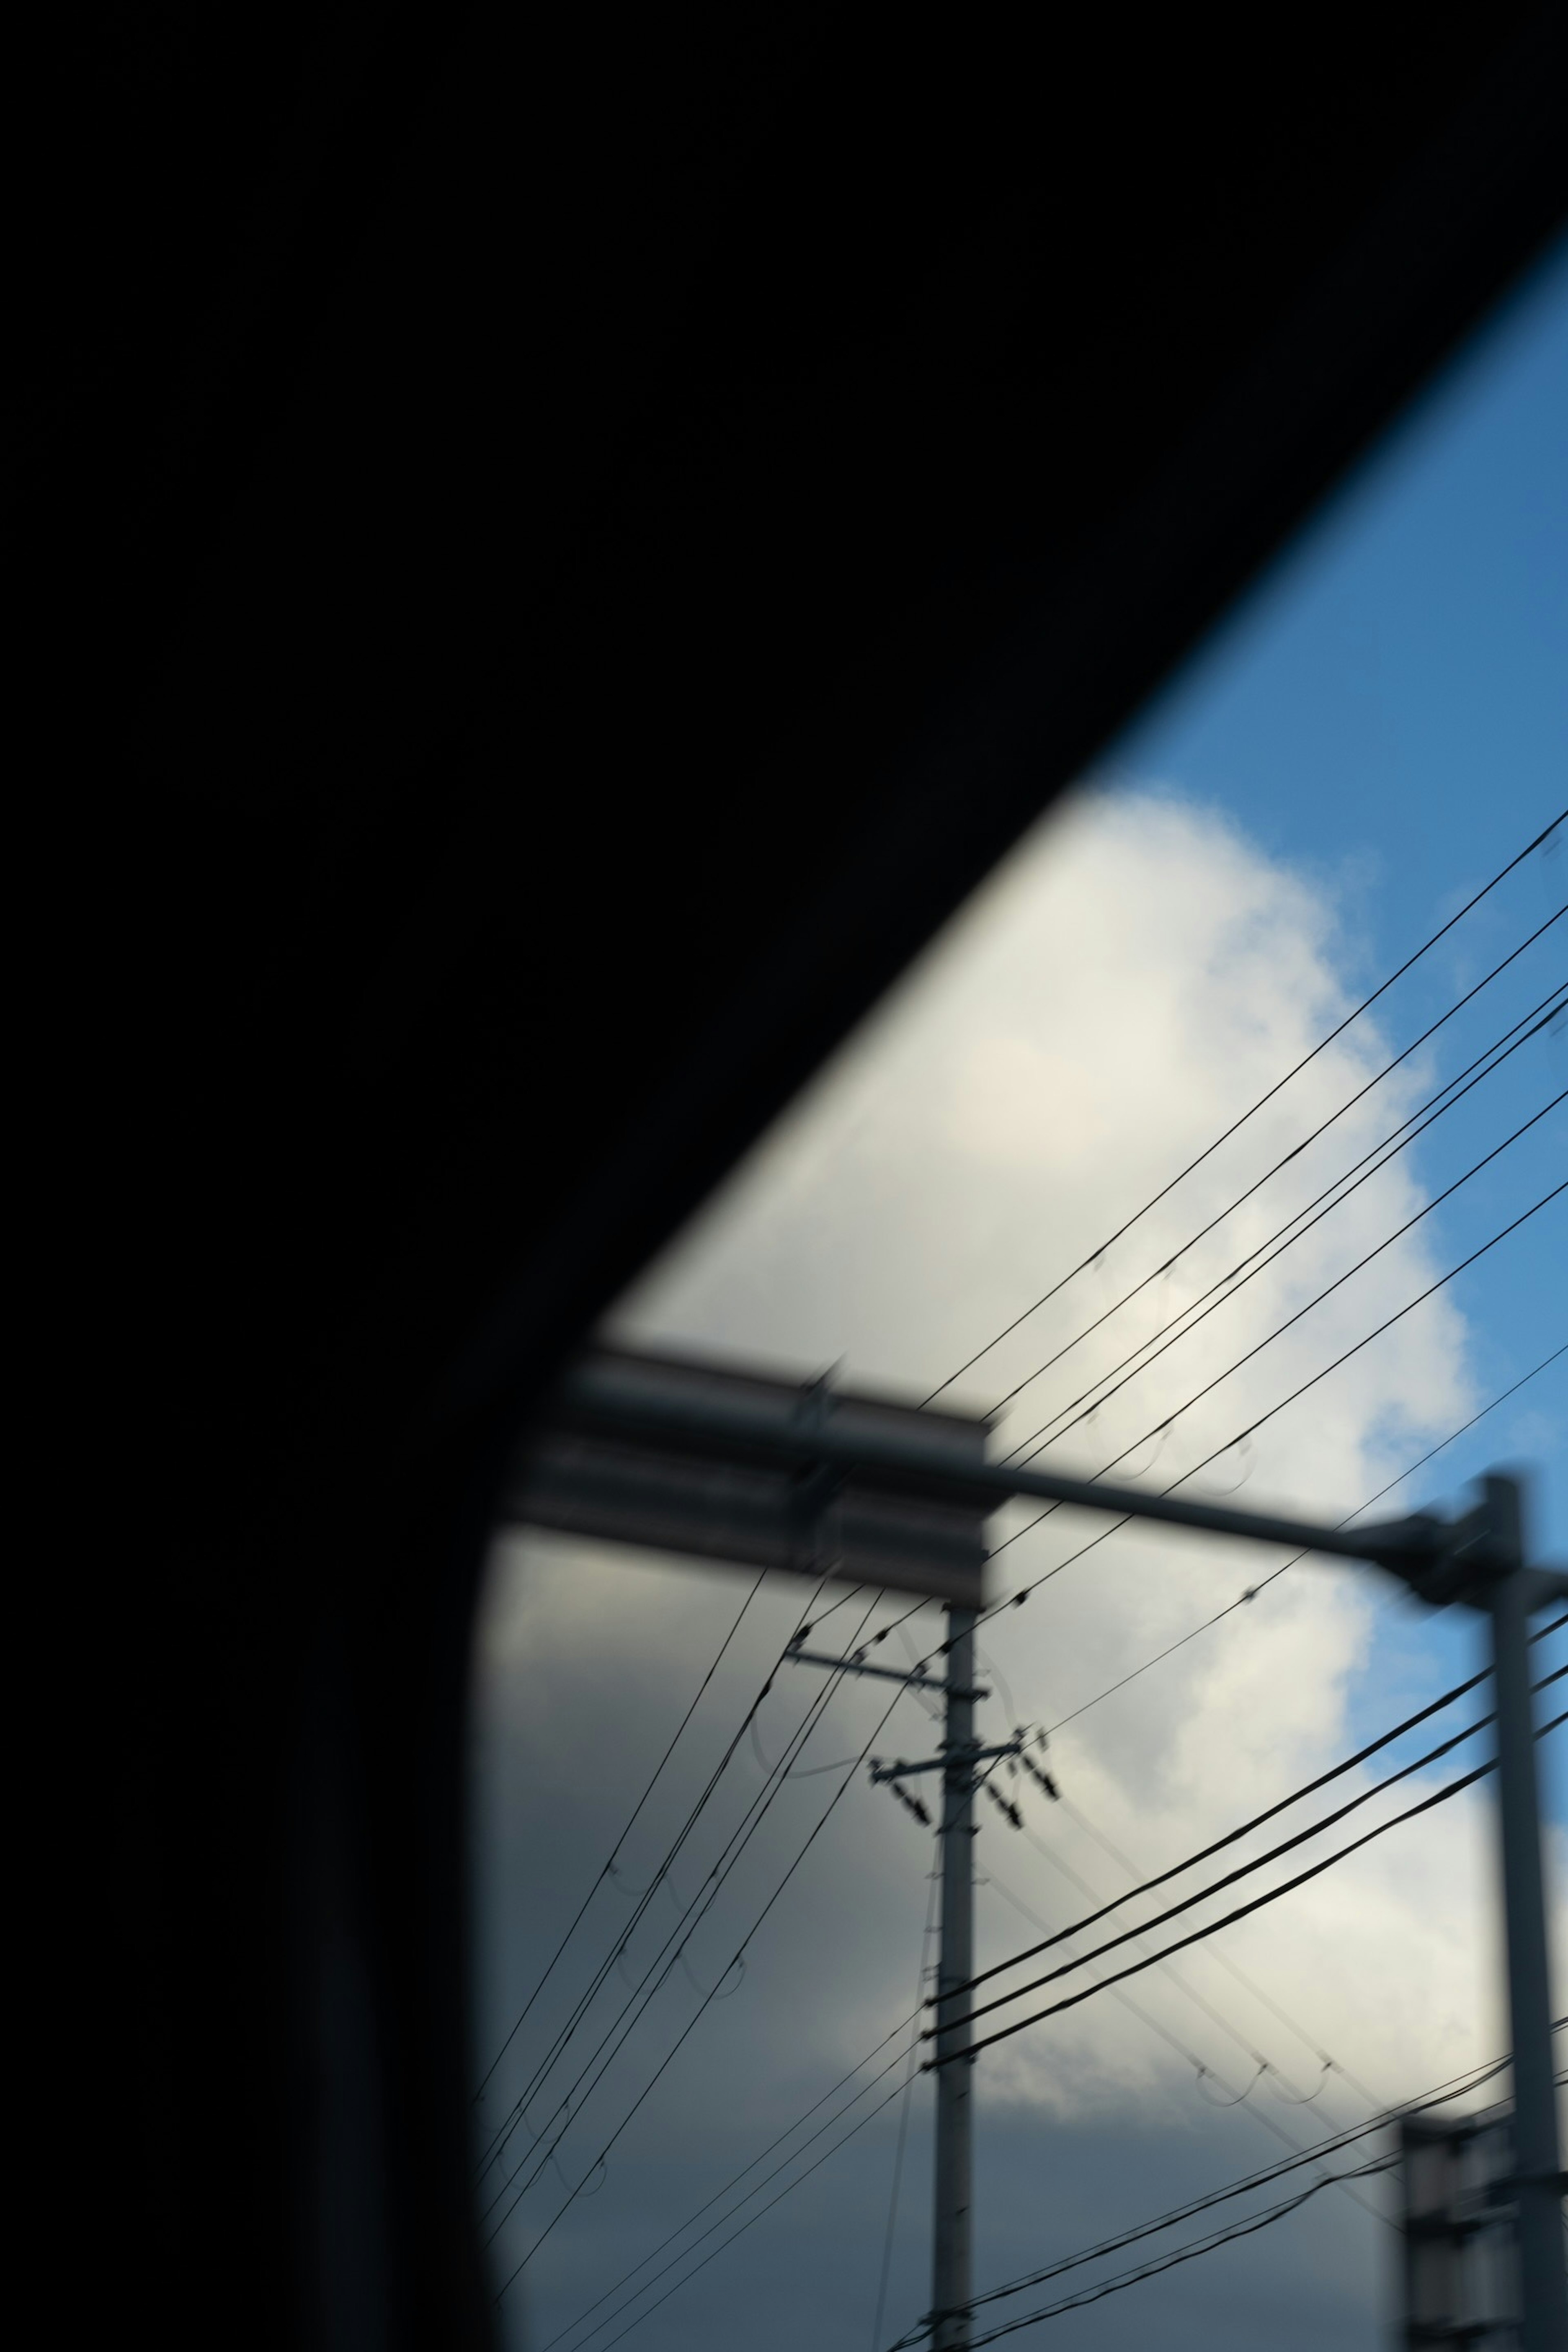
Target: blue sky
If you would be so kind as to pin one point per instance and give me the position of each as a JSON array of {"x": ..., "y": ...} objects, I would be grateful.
[
  {"x": 1386, "y": 717},
  {"x": 1388, "y": 712}
]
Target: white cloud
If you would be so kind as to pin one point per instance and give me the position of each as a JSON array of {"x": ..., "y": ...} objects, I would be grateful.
[{"x": 1134, "y": 979}]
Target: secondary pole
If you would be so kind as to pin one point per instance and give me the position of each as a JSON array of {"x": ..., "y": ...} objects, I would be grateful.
[
  {"x": 1536, "y": 2160},
  {"x": 951, "y": 2245}
]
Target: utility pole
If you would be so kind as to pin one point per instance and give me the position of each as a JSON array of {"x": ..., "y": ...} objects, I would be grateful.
[
  {"x": 959, "y": 1755},
  {"x": 1511, "y": 1590},
  {"x": 951, "y": 2282},
  {"x": 704, "y": 1458}
]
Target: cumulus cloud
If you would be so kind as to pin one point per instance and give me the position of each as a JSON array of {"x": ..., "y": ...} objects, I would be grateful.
[{"x": 1136, "y": 977}]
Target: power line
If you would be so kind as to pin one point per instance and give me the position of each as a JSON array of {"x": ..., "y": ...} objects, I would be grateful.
[
  {"x": 1201, "y": 2067},
  {"x": 1266, "y": 2176},
  {"x": 1231, "y": 1877},
  {"x": 563, "y": 2033},
  {"x": 934, "y": 1877},
  {"x": 1205, "y": 2245},
  {"x": 1514, "y": 1387},
  {"x": 693, "y": 2020},
  {"x": 754, "y": 2218},
  {"x": 1188, "y": 2253},
  {"x": 1500, "y": 1046},
  {"x": 610, "y": 2317},
  {"x": 1387, "y": 1324},
  {"x": 777, "y": 2142},
  {"x": 1123, "y": 1998},
  {"x": 1014, "y": 1600},
  {"x": 1210, "y": 1149},
  {"x": 1189, "y": 1992},
  {"x": 615, "y": 1850},
  {"x": 1219, "y": 1955},
  {"x": 1458, "y": 2088},
  {"x": 735, "y": 2179},
  {"x": 1205, "y": 1853},
  {"x": 1162, "y": 1878},
  {"x": 1253, "y": 1591},
  {"x": 1500, "y": 1148},
  {"x": 601, "y": 1973},
  {"x": 1029, "y": 1445},
  {"x": 1071, "y": 2000},
  {"x": 1383, "y": 1325},
  {"x": 698, "y": 1905},
  {"x": 772, "y": 1899},
  {"x": 1342, "y": 1187}
]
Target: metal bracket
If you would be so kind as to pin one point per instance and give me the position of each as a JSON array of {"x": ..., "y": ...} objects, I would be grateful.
[
  {"x": 1465, "y": 1560},
  {"x": 901, "y": 1771},
  {"x": 859, "y": 1665}
]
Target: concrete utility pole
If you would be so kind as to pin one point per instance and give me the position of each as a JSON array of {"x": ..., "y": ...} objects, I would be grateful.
[
  {"x": 1510, "y": 1593},
  {"x": 705, "y": 1458},
  {"x": 962, "y": 1754},
  {"x": 951, "y": 2238}
]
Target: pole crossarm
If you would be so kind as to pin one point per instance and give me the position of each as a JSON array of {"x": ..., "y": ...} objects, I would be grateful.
[
  {"x": 857, "y": 1665},
  {"x": 714, "y": 1460},
  {"x": 901, "y": 1771}
]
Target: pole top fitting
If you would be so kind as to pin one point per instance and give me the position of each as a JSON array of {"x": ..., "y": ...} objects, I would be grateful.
[{"x": 1462, "y": 1560}]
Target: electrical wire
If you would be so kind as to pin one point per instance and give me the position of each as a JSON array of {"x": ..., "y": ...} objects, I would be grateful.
[
  {"x": 691, "y": 1912},
  {"x": 1189, "y": 1992},
  {"x": 1071, "y": 2000},
  {"x": 936, "y": 1880},
  {"x": 854, "y": 2130},
  {"x": 596, "y": 2168},
  {"x": 1202, "y": 2069},
  {"x": 1205, "y": 2245},
  {"x": 655, "y": 1974},
  {"x": 1309, "y": 1787},
  {"x": 1360, "y": 1344},
  {"x": 756, "y": 1924},
  {"x": 631, "y": 1822},
  {"x": 1222, "y": 1959},
  {"x": 1204, "y": 1894},
  {"x": 734, "y": 2182},
  {"x": 1209, "y": 1149},
  {"x": 1037, "y": 1443},
  {"x": 496, "y": 2146},
  {"x": 1017, "y": 1600},
  {"x": 609, "y": 2319},
  {"x": 1014, "y": 1600},
  {"x": 1459, "y": 2086},
  {"x": 784, "y": 1771},
  {"x": 1122, "y": 1997},
  {"x": 1344, "y": 1186},
  {"x": 1253, "y": 1591},
  {"x": 901, "y": 1621},
  {"x": 1367, "y": 1505}
]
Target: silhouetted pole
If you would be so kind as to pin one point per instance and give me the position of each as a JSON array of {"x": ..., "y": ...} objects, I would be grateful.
[{"x": 951, "y": 2238}]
